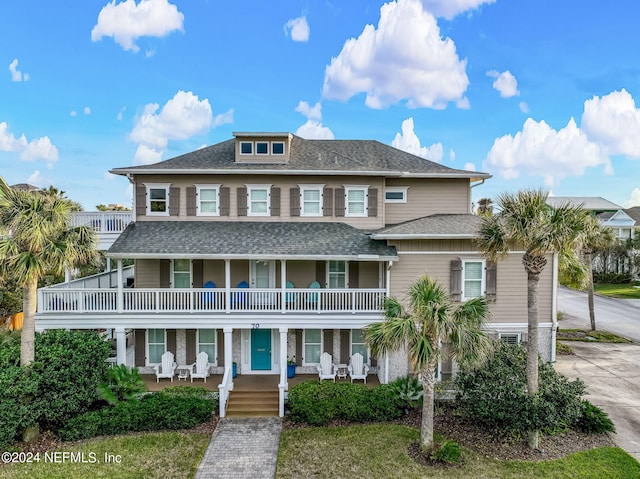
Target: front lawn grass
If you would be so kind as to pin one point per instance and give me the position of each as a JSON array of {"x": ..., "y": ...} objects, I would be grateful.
[
  {"x": 628, "y": 291},
  {"x": 152, "y": 455},
  {"x": 381, "y": 451}
]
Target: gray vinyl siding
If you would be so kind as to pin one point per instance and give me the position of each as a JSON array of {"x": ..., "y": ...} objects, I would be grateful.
[
  {"x": 510, "y": 305},
  {"x": 428, "y": 197},
  {"x": 147, "y": 273}
]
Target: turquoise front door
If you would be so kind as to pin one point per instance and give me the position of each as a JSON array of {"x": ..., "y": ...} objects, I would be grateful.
[{"x": 261, "y": 350}]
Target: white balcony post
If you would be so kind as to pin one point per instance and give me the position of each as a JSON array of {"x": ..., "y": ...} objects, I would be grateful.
[
  {"x": 283, "y": 285},
  {"x": 120, "y": 287},
  {"x": 283, "y": 386},
  {"x": 227, "y": 284},
  {"x": 121, "y": 346},
  {"x": 228, "y": 352},
  {"x": 388, "y": 285}
]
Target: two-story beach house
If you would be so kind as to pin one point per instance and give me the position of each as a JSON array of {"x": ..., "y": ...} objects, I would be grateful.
[{"x": 269, "y": 247}]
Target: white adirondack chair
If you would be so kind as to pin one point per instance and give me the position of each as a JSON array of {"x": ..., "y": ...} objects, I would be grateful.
[
  {"x": 326, "y": 368},
  {"x": 200, "y": 369},
  {"x": 166, "y": 368},
  {"x": 357, "y": 368}
]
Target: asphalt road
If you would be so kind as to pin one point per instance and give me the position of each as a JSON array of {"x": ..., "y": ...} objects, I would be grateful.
[{"x": 619, "y": 316}]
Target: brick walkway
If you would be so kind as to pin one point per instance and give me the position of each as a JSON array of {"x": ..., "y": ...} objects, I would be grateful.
[{"x": 242, "y": 449}]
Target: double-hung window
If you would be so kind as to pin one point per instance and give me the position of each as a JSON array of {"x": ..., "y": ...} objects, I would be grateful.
[
  {"x": 355, "y": 200},
  {"x": 157, "y": 199},
  {"x": 156, "y": 344},
  {"x": 337, "y": 274},
  {"x": 311, "y": 200},
  {"x": 359, "y": 345},
  {"x": 181, "y": 273},
  {"x": 312, "y": 346},
  {"x": 473, "y": 279},
  {"x": 207, "y": 343},
  {"x": 258, "y": 200},
  {"x": 208, "y": 203}
]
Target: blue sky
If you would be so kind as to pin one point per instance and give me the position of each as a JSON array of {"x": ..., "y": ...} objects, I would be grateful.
[{"x": 539, "y": 94}]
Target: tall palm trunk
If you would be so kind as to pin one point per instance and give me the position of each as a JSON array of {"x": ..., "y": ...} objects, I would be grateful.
[
  {"x": 428, "y": 388},
  {"x": 27, "y": 337}
]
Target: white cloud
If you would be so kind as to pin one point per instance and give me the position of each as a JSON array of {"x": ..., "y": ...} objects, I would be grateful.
[
  {"x": 408, "y": 141},
  {"x": 183, "y": 116},
  {"x": 36, "y": 179},
  {"x": 36, "y": 149},
  {"x": 452, "y": 155},
  {"x": 634, "y": 199},
  {"x": 404, "y": 58},
  {"x": 17, "y": 75},
  {"x": 121, "y": 113},
  {"x": 313, "y": 129},
  {"x": 450, "y": 8},
  {"x": 87, "y": 110},
  {"x": 469, "y": 167},
  {"x": 614, "y": 122},
  {"x": 524, "y": 108},
  {"x": 539, "y": 150},
  {"x": 505, "y": 83},
  {"x": 73, "y": 113},
  {"x": 298, "y": 28},
  {"x": 128, "y": 21},
  {"x": 109, "y": 176}
]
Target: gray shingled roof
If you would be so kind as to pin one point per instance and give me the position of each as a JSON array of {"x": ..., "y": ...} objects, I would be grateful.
[
  {"x": 593, "y": 203},
  {"x": 634, "y": 212},
  {"x": 349, "y": 157},
  {"x": 266, "y": 240},
  {"x": 434, "y": 226}
]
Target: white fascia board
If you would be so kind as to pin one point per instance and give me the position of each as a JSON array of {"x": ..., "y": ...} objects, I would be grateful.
[
  {"x": 391, "y": 236},
  {"x": 272, "y": 256}
]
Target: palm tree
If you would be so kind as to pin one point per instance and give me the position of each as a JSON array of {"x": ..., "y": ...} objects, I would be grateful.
[
  {"x": 526, "y": 222},
  {"x": 485, "y": 207},
  {"x": 430, "y": 320},
  {"x": 39, "y": 241}
]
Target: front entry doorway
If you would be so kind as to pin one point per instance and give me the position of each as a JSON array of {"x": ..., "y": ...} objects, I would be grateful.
[{"x": 261, "y": 350}]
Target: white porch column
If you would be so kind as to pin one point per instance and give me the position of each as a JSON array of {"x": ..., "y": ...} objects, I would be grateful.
[
  {"x": 67, "y": 275},
  {"x": 121, "y": 346},
  {"x": 120, "y": 287},
  {"x": 227, "y": 284},
  {"x": 108, "y": 264},
  {"x": 228, "y": 352},
  {"x": 389, "y": 278},
  {"x": 283, "y": 386},
  {"x": 283, "y": 285}
]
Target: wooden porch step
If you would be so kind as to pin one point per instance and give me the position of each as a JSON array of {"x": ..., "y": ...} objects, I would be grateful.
[{"x": 253, "y": 404}]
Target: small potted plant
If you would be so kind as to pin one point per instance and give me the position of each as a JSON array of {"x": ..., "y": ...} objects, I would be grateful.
[{"x": 291, "y": 366}]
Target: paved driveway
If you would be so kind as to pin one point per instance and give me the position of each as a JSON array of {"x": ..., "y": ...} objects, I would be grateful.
[{"x": 612, "y": 375}]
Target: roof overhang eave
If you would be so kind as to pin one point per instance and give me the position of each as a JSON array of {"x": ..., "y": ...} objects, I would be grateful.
[
  {"x": 398, "y": 236},
  {"x": 271, "y": 256}
]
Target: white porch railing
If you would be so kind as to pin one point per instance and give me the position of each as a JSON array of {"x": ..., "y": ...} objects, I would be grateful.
[
  {"x": 103, "y": 221},
  {"x": 108, "y": 279},
  {"x": 142, "y": 300},
  {"x": 223, "y": 388}
]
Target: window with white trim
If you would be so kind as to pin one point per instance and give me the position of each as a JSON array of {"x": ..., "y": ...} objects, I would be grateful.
[
  {"x": 157, "y": 199},
  {"x": 258, "y": 200},
  {"x": 262, "y": 147},
  {"x": 246, "y": 148},
  {"x": 311, "y": 200},
  {"x": 181, "y": 273},
  {"x": 473, "y": 278},
  {"x": 359, "y": 345},
  {"x": 337, "y": 274},
  {"x": 395, "y": 194},
  {"x": 510, "y": 338},
  {"x": 208, "y": 203},
  {"x": 277, "y": 148},
  {"x": 207, "y": 343},
  {"x": 312, "y": 346},
  {"x": 156, "y": 344},
  {"x": 355, "y": 201}
]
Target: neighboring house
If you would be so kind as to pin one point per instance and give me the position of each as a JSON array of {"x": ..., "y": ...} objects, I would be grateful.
[
  {"x": 634, "y": 214},
  {"x": 24, "y": 187},
  {"x": 268, "y": 246}
]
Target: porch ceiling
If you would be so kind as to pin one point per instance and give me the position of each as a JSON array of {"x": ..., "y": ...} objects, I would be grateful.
[{"x": 248, "y": 239}]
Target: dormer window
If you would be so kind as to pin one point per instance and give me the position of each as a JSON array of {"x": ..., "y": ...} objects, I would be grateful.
[
  {"x": 262, "y": 147},
  {"x": 277, "y": 148},
  {"x": 246, "y": 148}
]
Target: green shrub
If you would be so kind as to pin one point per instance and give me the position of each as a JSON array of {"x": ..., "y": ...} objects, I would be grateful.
[
  {"x": 73, "y": 364},
  {"x": 407, "y": 392},
  {"x": 496, "y": 395},
  {"x": 612, "y": 278},
  {"x": 318, "y": 403},
  {"x": 153, "y": 412},
  {"x": 189, "y": 391},
  {"x": 122, "y": 384},
  {"x": 17, "y": 388},
  {"x": 594, "y": 420},
  {"x": 448, "y": 452}
]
